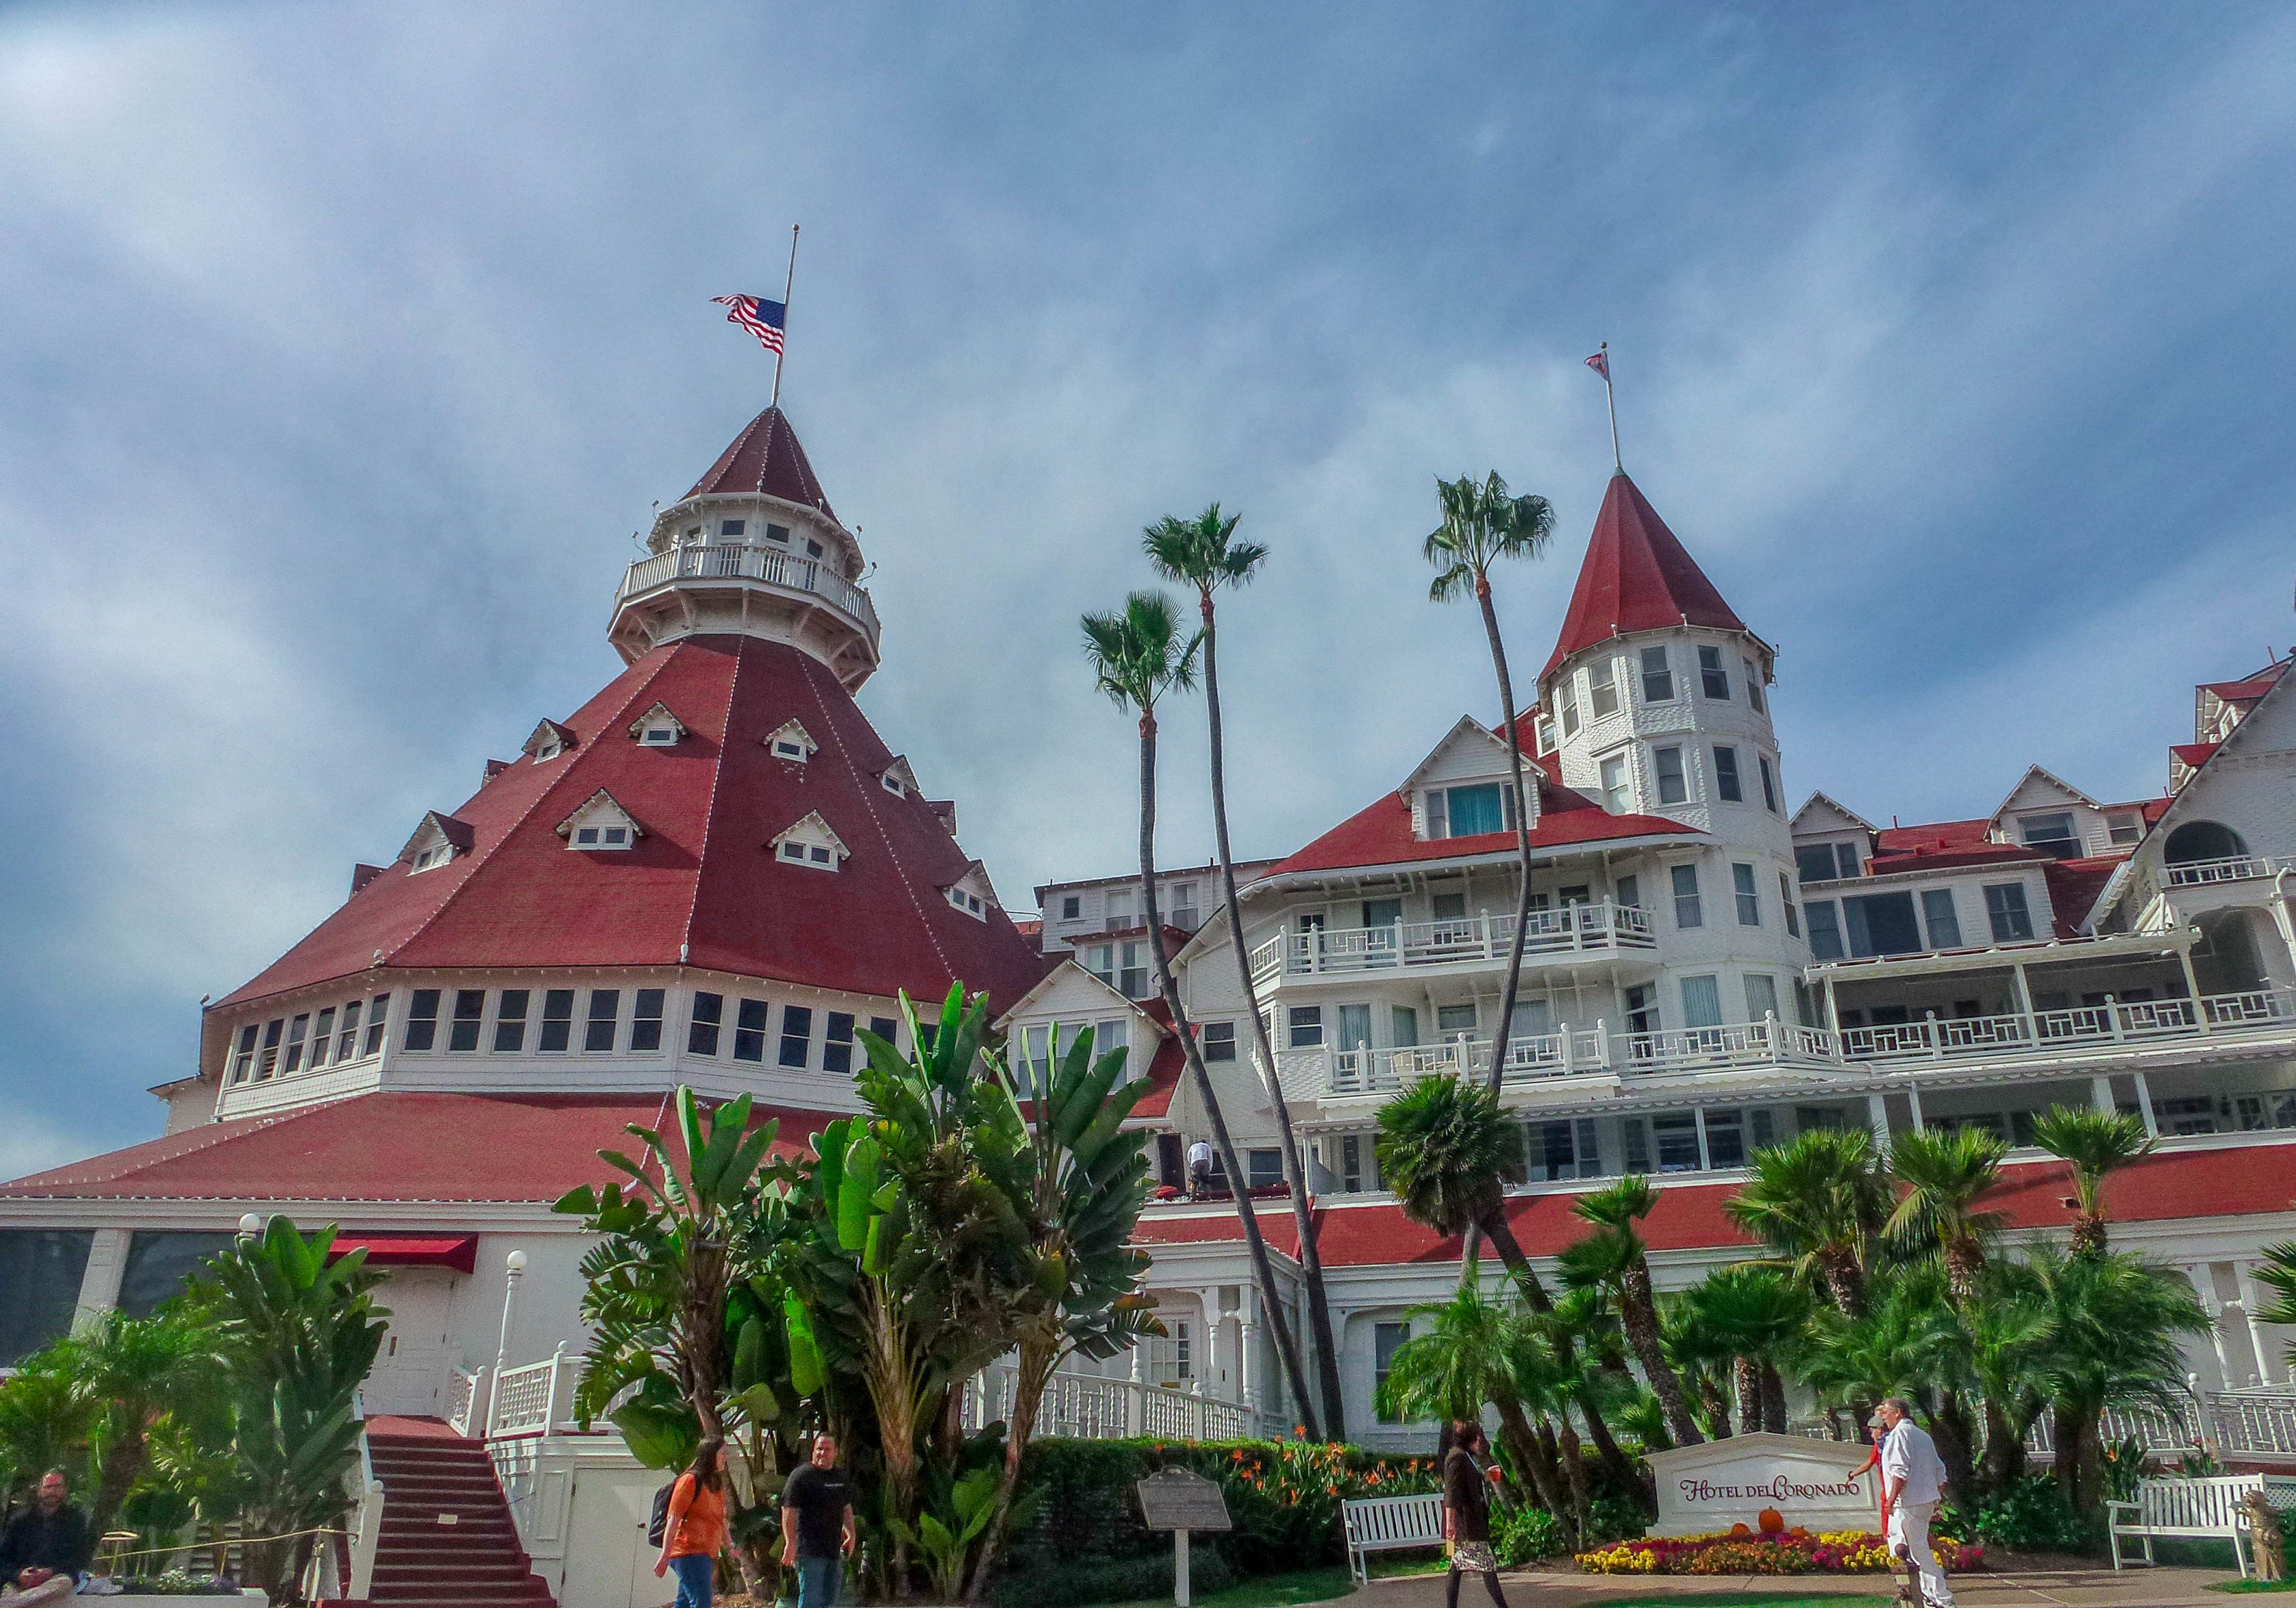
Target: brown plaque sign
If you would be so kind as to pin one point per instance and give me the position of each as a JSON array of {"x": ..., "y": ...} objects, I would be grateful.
[{"x": 1174, "y": 1498}]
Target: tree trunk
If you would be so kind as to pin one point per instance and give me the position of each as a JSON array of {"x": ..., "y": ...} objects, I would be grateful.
[
  {"x": 1538, "y": 1459},
  {"x": 1032, "y": 1371},
  {"x": 1287, "y": 1345},
  {"x": 1845, "y": 1280},
  {"x": 1574, "y": 1471},
  {"x": 1638, "y": 1315},
  {"x": 123, "y": 1461},
  {"x": 1955, "y": 1438},
  {"x": 1964, "y": 1270},
  {"x": 1718, "y": 1406},
  {"x": 1774, "y": 1400},
  {"x": 1747, "y": 1375},
  {"x": 1295, "y": 1172},
  {"x": 2069, "y": 1437},
  {"x": 1523, "y": 801},
  {"x": 2088, "y": 1234}
]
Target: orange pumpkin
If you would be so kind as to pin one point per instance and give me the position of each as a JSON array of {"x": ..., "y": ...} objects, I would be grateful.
[
  {"x": 1739, "y": 1532},
  {"x": 1771, "y": 1520}
]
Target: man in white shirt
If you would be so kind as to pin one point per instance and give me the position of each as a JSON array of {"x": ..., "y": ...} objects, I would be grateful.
[
  {"x": 1913, "y": 1481},
  {"x": 1200, "y": 1168}
]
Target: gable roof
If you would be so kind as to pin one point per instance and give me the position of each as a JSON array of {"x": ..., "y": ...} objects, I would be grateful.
[
  {"x": 455, "y": 834},
  {"x": 2038, "y": 773},
  {"x": 701, "y": 886},
  {"x": 598, "y": 803},
  {"x": 1820, "y": 802},
  {"x": 766, "y": 458},
  {"x": 1467, "y": 723},
  {"x": 1380, "y": 834},
  {"x": 1636, "y": 577}
]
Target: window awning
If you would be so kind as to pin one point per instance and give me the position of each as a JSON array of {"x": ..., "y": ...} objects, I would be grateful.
[{"x": 459, "y": 1252}]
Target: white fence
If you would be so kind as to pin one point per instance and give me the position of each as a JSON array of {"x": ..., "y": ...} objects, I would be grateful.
[
  {"x": 731, "y": 560},
  {"x": 2237, "y": 868},
  {"x": 527, "y": 1400},
  {"x": 1593, "y": 930},
  {"x": 1087, "y": 1407}
]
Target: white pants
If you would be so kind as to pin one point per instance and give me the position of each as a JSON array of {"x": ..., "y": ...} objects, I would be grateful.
[
  {"x": 53, "y": 1590},
  {"x": 1909, "y": 1527}
]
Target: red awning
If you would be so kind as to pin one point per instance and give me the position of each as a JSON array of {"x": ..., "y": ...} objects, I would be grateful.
[{"x": 457, "y": 1251}]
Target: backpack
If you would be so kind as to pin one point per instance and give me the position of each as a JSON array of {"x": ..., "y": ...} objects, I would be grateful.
[{"x": 658, "y": 1526}]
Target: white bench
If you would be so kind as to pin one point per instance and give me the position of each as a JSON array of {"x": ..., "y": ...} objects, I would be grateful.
[
  {"x": 1389, "y": 1524},
  {"x": 2203, "y": 1509}
]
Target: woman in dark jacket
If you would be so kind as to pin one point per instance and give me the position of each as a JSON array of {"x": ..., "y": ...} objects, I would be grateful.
[{"x": 1467, "y": 1514}]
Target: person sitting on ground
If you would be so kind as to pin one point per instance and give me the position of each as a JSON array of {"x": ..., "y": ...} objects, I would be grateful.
[
  {"x": 45, "y": 1552},
  {"x": 1467, "y": 1513},
  {"x": 1200, "y": 1169},
  {"x": 695, "y": 1533},
  {"x": 817, "y": 1525}
]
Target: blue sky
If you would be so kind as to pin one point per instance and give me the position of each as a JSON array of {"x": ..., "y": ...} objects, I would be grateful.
[{"x": 345, "y": 346}]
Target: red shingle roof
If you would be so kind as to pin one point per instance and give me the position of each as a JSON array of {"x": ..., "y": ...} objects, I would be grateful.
[
  {"x": 765, "y": 457},
  {"x": 1636, "y": 577},
  {"x": 701, "y": 886},
  {"x": 1689, "y": 1216},
  {"x": 395, "y": 1145},
  {"x": 2194, "y": 754},
  {"x": 1380, "y": 834},
  {"x": 2073, "y": 888}
]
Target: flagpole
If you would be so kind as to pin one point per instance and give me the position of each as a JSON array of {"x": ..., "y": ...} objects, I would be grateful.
[
  {"x": 1612, "y": 396},
  {"x": 789, "y": 282}
]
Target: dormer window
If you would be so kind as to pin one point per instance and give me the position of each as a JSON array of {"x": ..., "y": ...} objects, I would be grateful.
[
  {"x": 897, "y": 778},
  {"x": 435, "y": 840},
  {"x": 1472, "y": 811},
  {"x": 658, "y": 727},
  {"x": 969, "y": 903},
  {"x": 730, "y": 530},
  {"x": 892, "y": 784},
  {"x": 548, "y": 741},
  {"x": 971, "y": 893},
  {"x": 600, "y": 825},
  {"x": 429, "y": 857},
  {"x": 791, "y": 744},
  {"x": 810, "y": 843},
  {"x": 778, "y": 533}
]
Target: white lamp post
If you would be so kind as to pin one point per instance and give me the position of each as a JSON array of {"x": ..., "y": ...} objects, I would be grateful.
[
  {"x": 251, "y": 1226},
  {"x": 514, "y": 1265}
]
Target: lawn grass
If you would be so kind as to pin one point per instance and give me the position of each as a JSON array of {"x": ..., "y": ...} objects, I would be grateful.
[
  {"x": 2251, "y": 1588},
  {"x": 1270, "y": 1591},
  {"x": 1745, "y": 1599}
]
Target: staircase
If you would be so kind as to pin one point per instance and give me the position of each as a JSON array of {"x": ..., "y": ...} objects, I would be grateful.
[{"x": 429, "y": 1474}]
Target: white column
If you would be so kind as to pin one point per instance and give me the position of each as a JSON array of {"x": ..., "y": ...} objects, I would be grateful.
[
  {"x": 2204, "y": 1285},
  {"x": 2144, "y": 1104},
  {"x": 1877, "y": 1115},
  {"x": 1914, "y": 1099},
  {"x": 1246, "y": 1337},
  {"x": 2099, "y": 1093},
  {"x": 1698, "y": 1116},
  {"x": 2250, "y": 1298},
  {"x": 99, "y": 1281}
]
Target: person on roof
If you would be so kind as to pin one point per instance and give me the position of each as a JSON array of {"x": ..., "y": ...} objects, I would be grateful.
[{"x": 1200, "y": 1169}]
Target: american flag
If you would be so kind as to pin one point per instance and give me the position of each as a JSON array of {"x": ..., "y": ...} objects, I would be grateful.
[
  {"x": 762, "y": 318},
  {"x": 1600, "y": 362}
]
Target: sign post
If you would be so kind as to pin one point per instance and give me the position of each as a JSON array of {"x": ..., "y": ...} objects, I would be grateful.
[{"x": 1181, "y": 1501}]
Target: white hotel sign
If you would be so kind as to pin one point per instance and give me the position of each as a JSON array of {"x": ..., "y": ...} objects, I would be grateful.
[{"x": 1813, "y": 1484}]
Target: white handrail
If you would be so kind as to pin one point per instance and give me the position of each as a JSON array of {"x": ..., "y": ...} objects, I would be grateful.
[
  {"x": 1091, "y": 1407},
  {"x": 1592, "y": 928},
  {"x": 731, "y": 560},
  {"x": 366, "y": 1531},
  {"x": 2233, "y": 868}
]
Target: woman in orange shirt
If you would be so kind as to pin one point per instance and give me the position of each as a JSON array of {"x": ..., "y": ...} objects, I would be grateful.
[{"x": 696, "y": 1531}]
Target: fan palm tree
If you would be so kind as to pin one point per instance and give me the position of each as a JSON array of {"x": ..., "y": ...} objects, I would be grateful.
[
  {"x": 1820, "y": 1202},
  {"x": 1203, "y": 553},
  {"x": 1615, "y": 1256},
  {"x": 1482, "y": 524},
  {"x": 130, "y": 1371},
  {"x": 1761, "y": 1316},
  {"x": 1137, "y": 654},
  {"x": 1945, "y": 1175},
  {"x": 2093, "y": 1143},
  {"x": 2108, "y": 1332},
  {"x": 1700, "y": 1354}
]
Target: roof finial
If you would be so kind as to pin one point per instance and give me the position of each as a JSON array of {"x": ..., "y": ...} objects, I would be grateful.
[{"x": 1601, "y": 363}]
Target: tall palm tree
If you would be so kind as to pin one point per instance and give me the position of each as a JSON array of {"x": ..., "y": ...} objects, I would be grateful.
[
  {"x": 1482, "y": 525},
  {"x": 2093, "y": 1143},
  {"x": 1701, "y": 1354},
  {"x": 1616, "y": 1257},
  {"x": 1945, "y": 1175},
  {"x": 1476, "y": 1348},
  {"x": 1203, "y": 553},
  {"x": 1821, "y": 1202},
  {"x": 1137, "y": 654},
  {"x": 1762, "y": 1316},
  {"x": 130, "y": 1371}
]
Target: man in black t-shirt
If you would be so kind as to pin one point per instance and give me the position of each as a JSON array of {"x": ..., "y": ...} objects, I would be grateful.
[
  {"x": 46, "y": 1548},
  {"x": 817, "y": 1525}
]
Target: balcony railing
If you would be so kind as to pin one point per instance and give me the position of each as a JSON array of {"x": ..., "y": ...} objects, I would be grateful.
[
  {"x": 2238, "y": 869},
  {"x": 1088, "y": 1408},
  {"x": 739, "y": 560},
  {"x": 1593, "y": 930},
  {"x": 1573, "y": 1051}
]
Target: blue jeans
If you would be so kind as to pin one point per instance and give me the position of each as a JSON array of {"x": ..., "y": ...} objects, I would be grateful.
[
  {"x": 817, "y": 1581},
  {"x": 693, "y": 1573}
]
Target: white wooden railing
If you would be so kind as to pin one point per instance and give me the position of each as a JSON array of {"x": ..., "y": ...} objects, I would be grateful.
[
  {"x": 2236, "y": 868},
  {"x": 462, "y": 1395},
  {"x": 742, "y": 561},
  {"x": 526, "y": 1400},
  {"x": 365, "y": 1514},
  {"x": 1601, "y": 928},
  {"x": 1569, "y": 1051},
  {"x": 1087, "y": 1407}
]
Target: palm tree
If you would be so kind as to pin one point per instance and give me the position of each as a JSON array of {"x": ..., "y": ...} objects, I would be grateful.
[
  {"x": 1945, "y": 1175},
  {"x": 1615, "y": 1258},
  {"x": 1478, "y": 1350},
  {"x": 1203, "y": 553},
  {"x": 1137, "y": 655},
  {"x": 2107, "y": 1337},
  {"x": 1762, "y": 1316},
  {"x": 2093, "y": 1143},
  {"x": 1889, "y": 1349},
  {"x": 1821, "y": 1202},
  {"x": 130, "y": 1371},
  {"x": 1482, "y": 524},
  {"x": 1699, "y": 1353}
]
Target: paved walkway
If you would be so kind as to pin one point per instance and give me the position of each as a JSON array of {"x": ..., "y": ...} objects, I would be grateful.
[{"x": 2043, "y": 1589}]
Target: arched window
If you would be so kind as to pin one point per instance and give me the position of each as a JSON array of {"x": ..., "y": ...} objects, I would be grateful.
[{"x": 2197, "y": 840}]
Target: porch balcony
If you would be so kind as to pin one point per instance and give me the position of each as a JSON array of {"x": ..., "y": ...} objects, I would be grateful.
[
  {"x": 2237, "y": 868},
  {"x": 770, "y": 570},
  {"x": 1595, "y": 931},
  {"x": 2262, "y": 1020}
]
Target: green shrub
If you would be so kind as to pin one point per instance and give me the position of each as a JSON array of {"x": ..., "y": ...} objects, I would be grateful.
[
  {"x": 1526, "y": 1536},
  {"x": 1041, "y": 1584},
  {"x": 2030, "y": 1516}
]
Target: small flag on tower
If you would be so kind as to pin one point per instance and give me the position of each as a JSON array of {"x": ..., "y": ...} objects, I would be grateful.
[
  {"x": 762, "y": 318},
  {"x": 1600, "y": 363}
]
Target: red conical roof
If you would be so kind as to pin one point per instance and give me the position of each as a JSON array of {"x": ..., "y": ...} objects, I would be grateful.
[
  {"x": 1636, "y": 577},
  {"x": 765, "y": 457},
  {"x": 702, "y": 885}
]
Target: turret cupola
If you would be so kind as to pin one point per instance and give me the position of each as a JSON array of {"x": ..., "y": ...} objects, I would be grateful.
[{"x": 754, "y": 550}]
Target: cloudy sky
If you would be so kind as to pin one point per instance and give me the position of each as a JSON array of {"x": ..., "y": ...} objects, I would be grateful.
[{"x": 344, "y": 347}]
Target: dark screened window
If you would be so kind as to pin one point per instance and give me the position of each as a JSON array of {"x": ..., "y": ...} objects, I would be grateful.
[
  {"x": 557, "y": 1018},
  {"x": 160, "y": 1265},
  {"x": 749, "y": 1030},
  {"x": 1815, "y": 862},
  {"x": 837, "y": 1043},
  {"x": 422, "y": 1020},
  {"x": 605, "y": 1008},
  {"x": 40, "y": 1269},
  {"x": 646, "y": 1019},
  {"x": 1881, "y": 923},
  {"x": 702, "y": 1032},
  {"x": 470, "y": 1010},
  {"x": 797, "y": 1034}
]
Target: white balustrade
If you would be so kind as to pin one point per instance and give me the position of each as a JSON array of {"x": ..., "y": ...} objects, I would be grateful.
[
  {"x": 1600, "y": 929},
  {"x": 526, "y": 1400},
  {"x": 729, "y": 560},
  {"x": 462, "y": 1399},
  {"x": 2236, "y": 868},
  {"x": 1091, "y": 1407}
]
